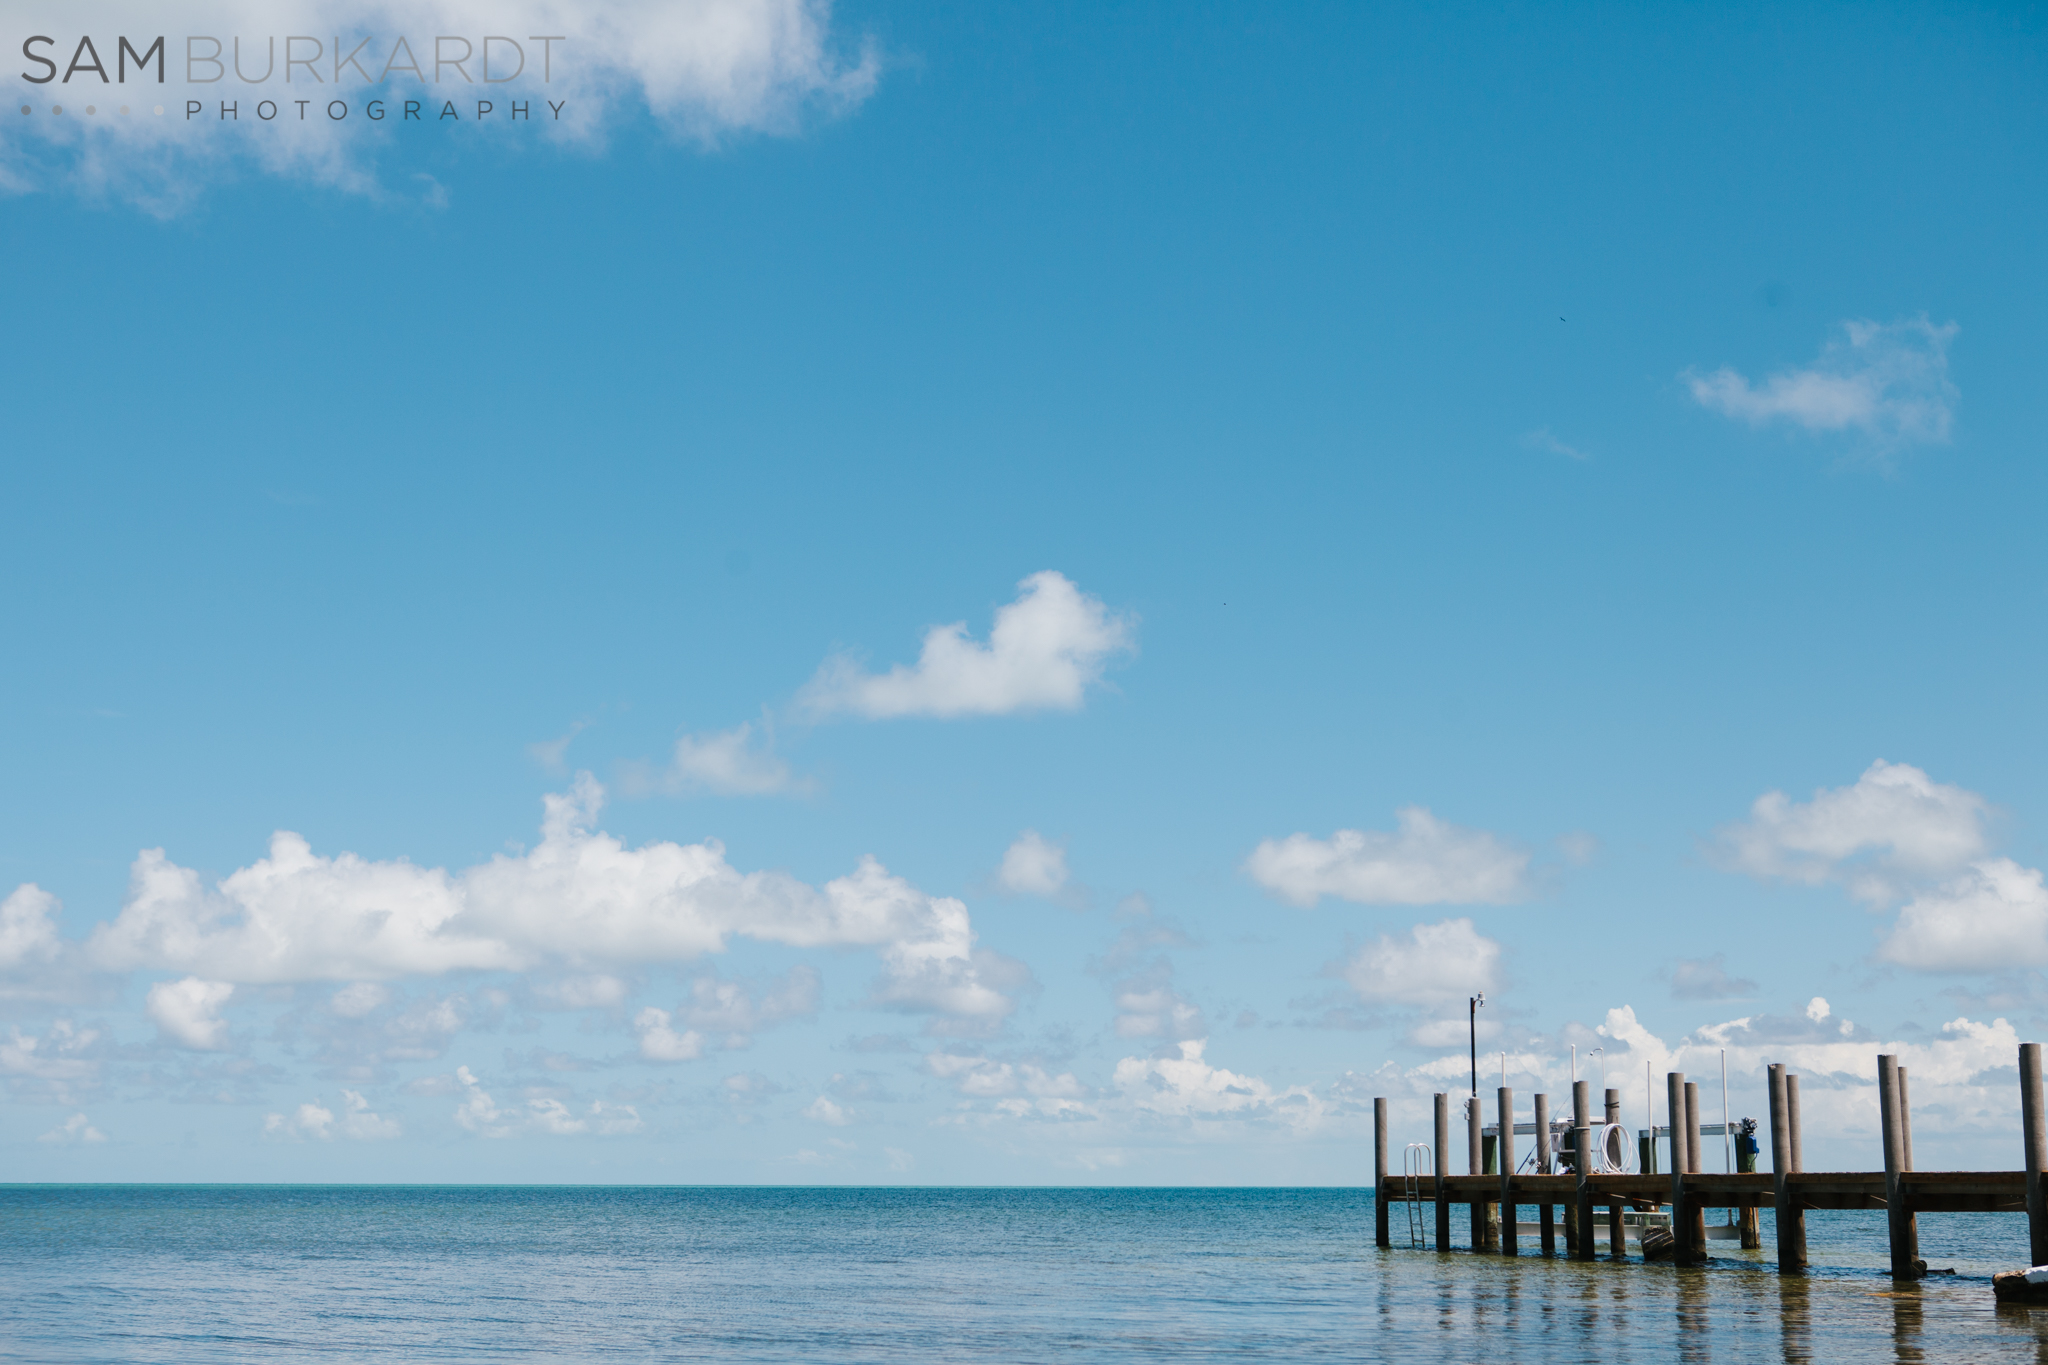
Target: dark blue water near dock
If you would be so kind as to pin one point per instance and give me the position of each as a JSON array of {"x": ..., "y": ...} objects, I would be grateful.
[{"x": 233, "y": 1273}]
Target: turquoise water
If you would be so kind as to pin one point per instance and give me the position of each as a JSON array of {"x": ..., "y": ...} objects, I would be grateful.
[{"x": 233, "y": 1273}]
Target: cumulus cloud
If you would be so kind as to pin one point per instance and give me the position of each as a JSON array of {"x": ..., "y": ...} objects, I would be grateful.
[
  {"x": 1186, "y": 1088},
  {"x": 188, "y": 1012},
  {"x": 364, "y": 997},
  {"x": 1426, "y": 861},
  {"x": 1430, "y": 966},
  {"x": 1887, "y": 380},
  {"x": 357, "y": 1123},
  {"x": 1992, "y": 917},
  {"x": 659, "y": 1041},
  {"x": 578, "y": 900},
  {"x": 75, "y": 1130},
  {"x": 1034, "y": 865},
  {"x": 706, "y": 71},
  {"x": 1046, "y": 649},
  {"x": 1894, "y": 827},
  {"x": 61, "y": 1060},
  {"x": 1706, "y": 978},
  {"x": 28, "y": 928}
]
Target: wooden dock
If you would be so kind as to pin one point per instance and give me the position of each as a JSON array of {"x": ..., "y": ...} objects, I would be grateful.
[{"x": 1574, "y": 1179}]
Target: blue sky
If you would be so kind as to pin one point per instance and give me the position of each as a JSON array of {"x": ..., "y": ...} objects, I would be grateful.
[{"x": 1572, "y": 423}]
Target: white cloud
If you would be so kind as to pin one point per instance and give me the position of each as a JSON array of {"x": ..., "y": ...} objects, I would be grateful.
[
  {"x": 1541, "y": 439},
  {"x": 659, "y": 1042},
  {"x": 1019, "y": 1089},
  {"x": 706, "y": 70},
  {"x": 478, "y": 1112},
  {"x": 1033, "y": 865},
  {"x": 1148, "y": 1006},
  {"x": 61, "y": 1056},
  {"x": 553, "y": 1117},
  {"x": 28, "y": 928},
  {"x": 358, "y": 1122},
  {"x": 1046, "y": 649},
  {"x": 1426, "y": 862},
  {"x": 724, "y": 763},
  {"x": 1894, "y": 827},
  {"x": 74, "y": 1130},
  {"x": 1186, "y": 1087},
  {"x": 188, "y": 1011},
  {"x": 822, "y": 1110},
  {"x": 1431, "y": 966},
  {"x": 1889, "y": 381},
  {"x": 579, "y": 899},
  {"x": 1992, "y": 917}
]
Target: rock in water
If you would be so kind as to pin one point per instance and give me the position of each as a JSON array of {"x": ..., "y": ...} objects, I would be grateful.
[{"x": 2021, "y": 1286}]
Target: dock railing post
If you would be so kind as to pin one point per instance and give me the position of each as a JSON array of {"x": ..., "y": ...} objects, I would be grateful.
[
  {"x": 1475, "y": 1164},
  {"x": 1897, "y": 1216},
  {"x": 1681, "y": 1225},
  {"x": 1582, "y": 1158},
  {"x": 1506, "y": 1147},
  {"x": 2035, "y": 1135},
  {"x": 1379, "y": 1173},
  {"x": 1546, "y": 1221},
  {"x": 1442, "y": 1164}
]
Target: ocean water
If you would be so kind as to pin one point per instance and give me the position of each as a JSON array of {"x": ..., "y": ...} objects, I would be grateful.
[{"x": 473, "y": 1273}]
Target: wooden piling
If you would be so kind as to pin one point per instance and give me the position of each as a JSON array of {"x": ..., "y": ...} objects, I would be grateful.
[
  {"x": 1906, "y": 1117},
  {"x": 1681, "y": 1250},
  {"x": 1582, "y": 1159},
  {"x": 1546, "y": 1223},
  {"x": 2034, "y": 1134},
  {"x": 1898, "y": 1216},
  {"x": 1475, "y": 1164},
  {"x": 1750, "y": 1220},
  {"x": 1510, "y": 1244},
  {"x": 1697, "y": 1229},
  {"x": 1439, "y": 1162},
  {"x": 1379, "y": 1173},
  {"x": 1617, "y": 1241},
  {"x": 1792, "y": 1221}
]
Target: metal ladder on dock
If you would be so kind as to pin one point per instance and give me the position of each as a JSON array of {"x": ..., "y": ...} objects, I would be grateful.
[{"x": 1417, "y": 1161}]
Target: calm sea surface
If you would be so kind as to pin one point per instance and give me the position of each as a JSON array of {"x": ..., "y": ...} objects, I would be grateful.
[{"x": 412, "y": 1273}]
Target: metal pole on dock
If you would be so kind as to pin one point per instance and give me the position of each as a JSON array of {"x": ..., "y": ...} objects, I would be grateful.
[
  {"x": 1475, "y": 1164},
  {"x": 1546, "y": 1221},
  {"x": 1442, "y": 1165},
  {"x": 1898, "y": 1216},
  {"x": 1674, "y": 1101},
  {"x": 1582, "y": 1158},
  {"x": 2035, "y": 1135},
  {"x": 1506, "y": 1148},
  {"x": 1379, "y": 1173}
]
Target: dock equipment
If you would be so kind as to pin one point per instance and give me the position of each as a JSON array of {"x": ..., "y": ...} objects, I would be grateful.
[{"x": 1637, "y": 1203}]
